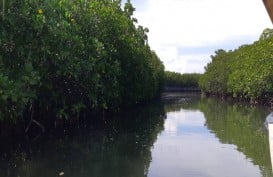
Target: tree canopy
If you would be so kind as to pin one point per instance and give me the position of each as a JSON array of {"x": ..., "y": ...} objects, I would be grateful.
[
  {"x": 245, "y": 72},
  {"x": 174, "y": 79},
  {"x": 64, "y": 56}
]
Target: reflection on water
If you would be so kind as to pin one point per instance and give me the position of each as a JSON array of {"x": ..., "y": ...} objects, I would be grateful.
[
  {"x": 115, "y": 147},
  {"x": 211, "y": 138},
  {"x": 269, "y": 125},
  {"x": 242, "y": 126},
  {"x": 183, "y": 136}
]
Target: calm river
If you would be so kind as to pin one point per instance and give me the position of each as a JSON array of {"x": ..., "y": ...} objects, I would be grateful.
[{"x": 181, "y": 135}]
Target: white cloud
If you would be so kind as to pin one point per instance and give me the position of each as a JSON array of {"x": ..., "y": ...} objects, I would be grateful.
[
  {"x": 176, "y": 24},
  {"x": 190, "y": 63}
]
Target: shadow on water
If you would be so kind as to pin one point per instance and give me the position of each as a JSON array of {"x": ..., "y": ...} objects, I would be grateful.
[{"x": 119, "y": 146}]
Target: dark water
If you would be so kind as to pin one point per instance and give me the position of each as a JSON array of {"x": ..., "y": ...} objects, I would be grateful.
[{"x": 180, "y": 136}]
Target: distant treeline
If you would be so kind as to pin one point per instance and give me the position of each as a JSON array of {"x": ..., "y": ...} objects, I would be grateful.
[
  {"x": 177, "y": 80},
  {"x": 65, "y": 56},
  {"x": 246, "y": 72}
]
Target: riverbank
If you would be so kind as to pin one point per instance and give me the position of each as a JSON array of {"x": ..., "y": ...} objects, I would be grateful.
[
  {"x": 263, "y": 101},
  {"x": 182, "y": 89}
]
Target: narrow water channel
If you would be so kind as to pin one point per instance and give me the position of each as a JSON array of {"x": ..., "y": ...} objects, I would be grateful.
[{"x": 182, "y": 135}]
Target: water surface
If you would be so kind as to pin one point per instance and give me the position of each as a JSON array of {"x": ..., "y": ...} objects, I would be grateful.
[{"x": 180, "y": 136}]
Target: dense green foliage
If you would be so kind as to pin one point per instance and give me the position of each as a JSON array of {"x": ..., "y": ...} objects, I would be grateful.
[
  {"x": 246, "y": 72},
  {"x": 64, "y": 56},
  {"x": 174, "y": 79}
]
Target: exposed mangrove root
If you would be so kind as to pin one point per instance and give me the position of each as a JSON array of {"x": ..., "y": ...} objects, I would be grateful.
[{"x": 34, "y": 121}]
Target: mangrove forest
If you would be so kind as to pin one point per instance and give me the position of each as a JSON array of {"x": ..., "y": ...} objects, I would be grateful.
[
  {"x": 66, "y": 56},
  {"x": 245, "y": 73}
]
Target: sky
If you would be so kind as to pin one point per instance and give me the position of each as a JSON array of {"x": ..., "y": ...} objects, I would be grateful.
[{"x": 185, "y": 33}]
